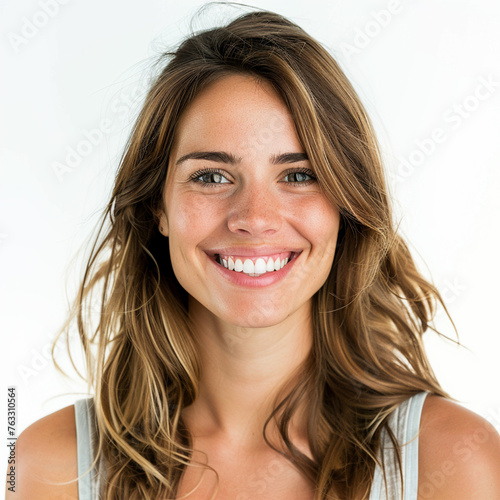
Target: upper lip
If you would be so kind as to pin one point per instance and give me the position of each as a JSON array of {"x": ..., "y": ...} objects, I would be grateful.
[{"x": 250, "y": 251}]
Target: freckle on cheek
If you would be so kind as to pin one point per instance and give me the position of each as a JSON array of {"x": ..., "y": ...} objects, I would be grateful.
[{"x": 184, "y": 218}]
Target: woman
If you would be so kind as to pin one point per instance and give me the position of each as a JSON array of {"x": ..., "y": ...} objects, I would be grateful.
[{"x": 261, "y": 320}]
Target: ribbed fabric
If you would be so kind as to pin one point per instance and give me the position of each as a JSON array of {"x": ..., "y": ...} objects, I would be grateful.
[
  {"x": 89, "y": 482},
  {"x": 404, "y": 422}
]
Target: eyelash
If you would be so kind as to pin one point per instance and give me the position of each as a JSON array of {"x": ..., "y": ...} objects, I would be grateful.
[{"x": 195, "y": 177}]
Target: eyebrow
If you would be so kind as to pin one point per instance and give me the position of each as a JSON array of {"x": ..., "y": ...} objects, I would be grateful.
[{"x": 223, "y": 157}]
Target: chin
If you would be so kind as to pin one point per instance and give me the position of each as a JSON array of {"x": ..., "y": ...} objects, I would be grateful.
[
  {"x": 267, "y": 315},
  {"x": 255, "y": 323}
]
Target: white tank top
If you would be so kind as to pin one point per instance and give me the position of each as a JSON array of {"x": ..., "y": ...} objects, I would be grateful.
[{"x": 404, "y": 422}]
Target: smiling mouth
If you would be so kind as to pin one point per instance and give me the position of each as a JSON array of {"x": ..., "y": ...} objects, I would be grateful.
[{"x": 255, "y": 266}]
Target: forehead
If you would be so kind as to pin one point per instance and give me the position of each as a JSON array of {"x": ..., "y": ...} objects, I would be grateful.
[{"x": 237, "y": 113}]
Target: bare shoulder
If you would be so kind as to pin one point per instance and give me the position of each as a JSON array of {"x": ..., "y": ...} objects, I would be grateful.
[
  {"x": 459, "y": 453},
  {"x": 46, "y": 454}
]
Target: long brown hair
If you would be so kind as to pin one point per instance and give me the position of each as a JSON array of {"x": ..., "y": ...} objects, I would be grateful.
[{"x": 368, "y": 317}]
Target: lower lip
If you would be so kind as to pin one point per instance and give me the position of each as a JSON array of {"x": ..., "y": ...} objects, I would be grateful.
[{"x": 242, "y": 279}]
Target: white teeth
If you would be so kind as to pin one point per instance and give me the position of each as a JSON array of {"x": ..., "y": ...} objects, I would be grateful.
[
  {"x": 253, "y": 269},
  {"x": 260, "y": 266},
  {"x": 248, "y": 267}
]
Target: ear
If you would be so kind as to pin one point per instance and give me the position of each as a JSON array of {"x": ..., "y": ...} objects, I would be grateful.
[{"x": 163, "y": 223}]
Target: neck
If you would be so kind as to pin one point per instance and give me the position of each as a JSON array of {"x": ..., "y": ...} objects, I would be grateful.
[{"x": 242, "y": 371}]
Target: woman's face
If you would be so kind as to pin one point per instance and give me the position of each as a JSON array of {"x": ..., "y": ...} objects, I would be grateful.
[{"x": 240, "y": 192}]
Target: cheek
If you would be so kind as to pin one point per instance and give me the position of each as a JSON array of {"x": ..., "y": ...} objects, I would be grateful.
[
  {"x": 191, "y": 216},
  {"x": 190, "y": 221},
  {"x": 319, "y": 221}
]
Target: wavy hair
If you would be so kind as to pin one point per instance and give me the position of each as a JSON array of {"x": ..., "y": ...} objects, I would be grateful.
[{"x": 369, "y": 316}]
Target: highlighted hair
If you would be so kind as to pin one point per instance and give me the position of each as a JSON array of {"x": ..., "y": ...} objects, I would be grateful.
[{"x": 368, "y": 317}]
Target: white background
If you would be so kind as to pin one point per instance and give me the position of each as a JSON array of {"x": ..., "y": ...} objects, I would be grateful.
[{"x": 417, "y": 66}]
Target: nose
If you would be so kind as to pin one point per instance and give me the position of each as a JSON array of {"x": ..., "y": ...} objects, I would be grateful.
[{"x": 254, "y": 211}]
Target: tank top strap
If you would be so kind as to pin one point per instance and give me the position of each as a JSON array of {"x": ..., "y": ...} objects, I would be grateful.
[
  {"x": 88, "y": 479},
  {"x": 405, "y": 424},
  {"x": 414, "y": 413}
]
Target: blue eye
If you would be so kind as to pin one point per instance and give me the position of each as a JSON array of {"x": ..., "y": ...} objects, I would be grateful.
[
  {"x": 303, "y": 176},
  {"x": 208, "y": 177}
]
